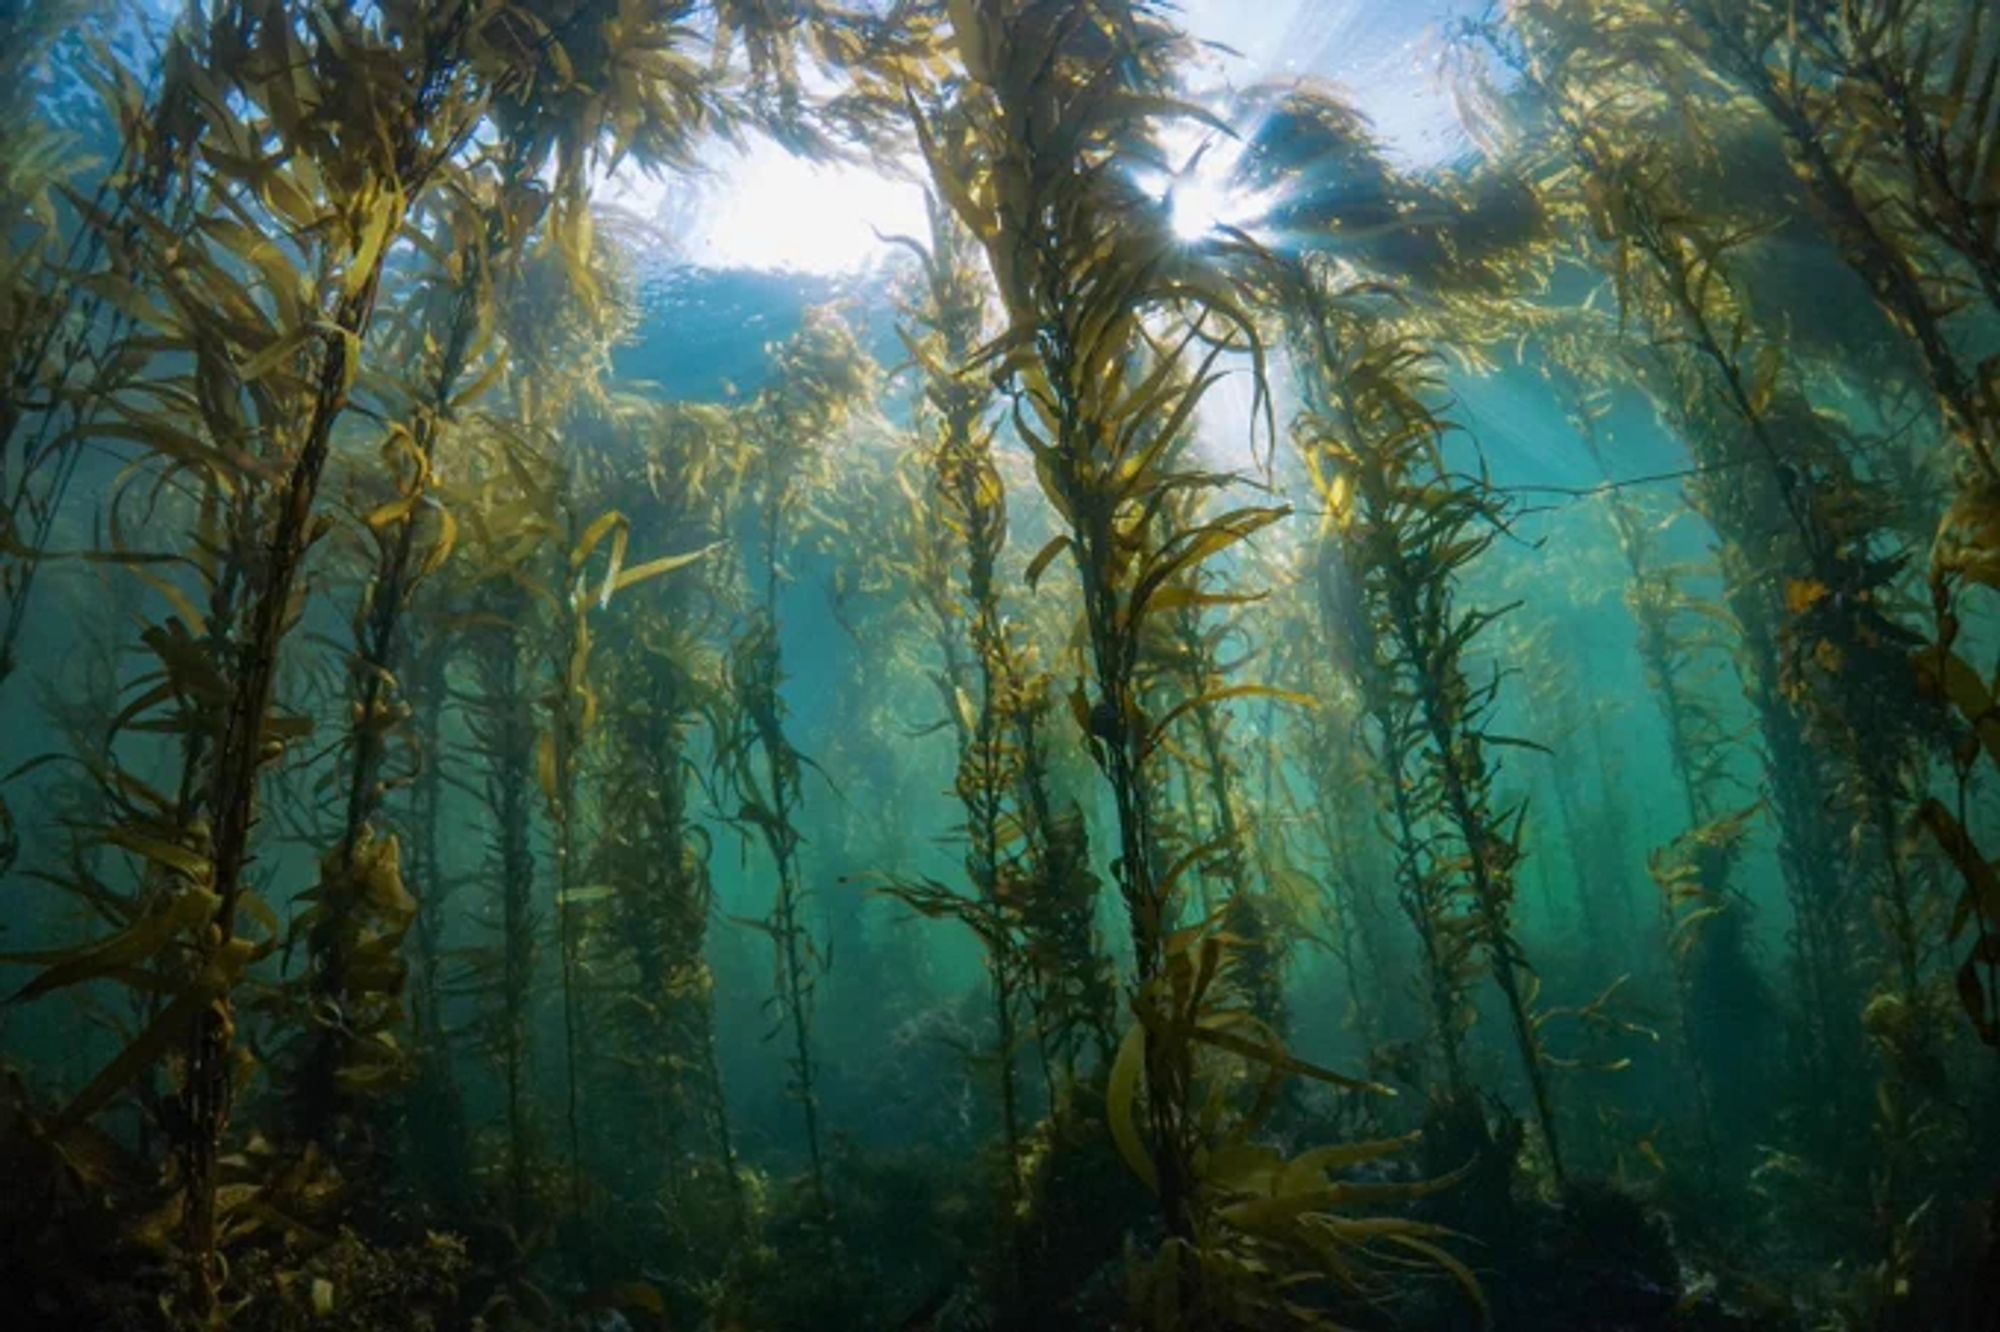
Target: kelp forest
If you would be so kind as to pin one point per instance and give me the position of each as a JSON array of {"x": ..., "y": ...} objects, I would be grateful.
[{"x": 1239, "y": 727}]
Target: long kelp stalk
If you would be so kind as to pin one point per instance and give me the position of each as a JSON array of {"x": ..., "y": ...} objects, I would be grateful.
[
  {"x": 961, "y": 516},
  {"x": 1883, "y": 246},
  {"x": 1410, "y": 529},
  {"x": 663, "y": 689},
  {"x": 654, "y": 863},
  {"x": 1056, "y": 95},
  {"x": 501, "y": 719},
  {"x": 1722, "y": 1006},
  {"x": 785, "y": 429},
  {"x": 438, "y": 1124},
  {"x": 1193, "y": 654},
  {"x": 1930, "y": 72},
  {"x": 174, "y": 284},
  {"x": 408, "y": 102},
  {"x": 570, "y": 706},
  {"x": 1072, "y": 979},
  {"x": 502, "y": 578},
  {"x": 589, "y": 571},
  {"x": 255, "y": 317},
  {"x": 63, "y": 320},
  {"x": 444, "y": 329},
  {"x": 1734, "y": 400},
  {"x": 1904, "y": 209},
  {"x": 1756, "y": 45}
]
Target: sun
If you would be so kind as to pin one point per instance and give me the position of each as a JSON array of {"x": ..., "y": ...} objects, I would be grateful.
[
  {"x": 785, "y": 212},
  {"x": 1204, "y": 195},
  {"x": 1198, "y": 205},
  {"x": 764, "y": 208}
]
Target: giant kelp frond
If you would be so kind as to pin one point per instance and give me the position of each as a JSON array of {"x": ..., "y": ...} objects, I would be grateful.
[
  {"x": 415, "y": 658},
  {"x": 1260, "y": 1209},
  {"x": 585, "y": 84},
  {"x": 958, "y": 517},
  {"x": 1331, "y": 190},
  {"x": 65, "y": 335},
  {"x": 1406, "y": 527},
  {"x": 782, "y": 440},
  {"x": 1115, "y": 335},
  {"x": 444, "y": 330},
  {"x": 1803, "y": 511},
  {"x": 1963, "y": 559},
  {"x": 320, "y": 139},
  {"x": 1927, "y": 76}
]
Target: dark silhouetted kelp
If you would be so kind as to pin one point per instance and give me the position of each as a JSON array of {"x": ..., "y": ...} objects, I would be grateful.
[{"x": 1252, "y": 727}]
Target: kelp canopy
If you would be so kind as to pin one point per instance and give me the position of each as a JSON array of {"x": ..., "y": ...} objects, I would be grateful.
[{"x": 1245, "y": 730}]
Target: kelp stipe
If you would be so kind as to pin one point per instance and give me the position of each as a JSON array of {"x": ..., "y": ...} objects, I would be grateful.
[
  {"x": 1724, "y": 1013},
  {"x": 1096, "y": 465},
  {"x": 394, "y": 560},
  {"x": 500, "y": 720},
  {"x": 68, "y": 309},
  {"x": 664, "y": 692},
  {"x": 276, "y": 401},
  {"x": 440, "y": 1130},
  {"x": 406, "y": 535},
  {"x": 1891, "y": 59},
  {"x": 1672, "y": 267},
  {"x": 1811, "y": 563},
  {"x": 783, "y": 433},
  {"x": 959, "y": 519},
  {"x": 1190, "y": 651},
  {"x": 1407, "y": 527},
  {"x": 1102, "y": 402}
]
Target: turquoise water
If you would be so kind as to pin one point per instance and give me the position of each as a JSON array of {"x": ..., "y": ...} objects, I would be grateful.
[{"x": 1022, "y": 664}]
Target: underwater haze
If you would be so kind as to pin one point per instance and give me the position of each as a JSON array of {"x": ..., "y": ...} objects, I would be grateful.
[{"x": 1000, "y": 665}]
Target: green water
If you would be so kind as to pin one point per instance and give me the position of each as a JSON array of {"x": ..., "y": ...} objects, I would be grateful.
[{"x": 1008, "y": 664}]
